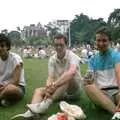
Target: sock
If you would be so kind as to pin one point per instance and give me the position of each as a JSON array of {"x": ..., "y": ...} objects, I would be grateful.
[{"x": 40, "y": 107}]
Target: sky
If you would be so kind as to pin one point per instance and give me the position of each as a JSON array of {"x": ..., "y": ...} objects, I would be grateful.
[{"x": 14, "y": 13}]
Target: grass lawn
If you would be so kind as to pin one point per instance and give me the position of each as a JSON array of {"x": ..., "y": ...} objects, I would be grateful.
[{"x": 35, "y": 75}]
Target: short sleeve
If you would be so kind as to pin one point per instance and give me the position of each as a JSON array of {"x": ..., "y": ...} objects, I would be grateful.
[
  {"x": 16, "y": 60},
  {"x": 117, "y": 58},
  {"x": 74, "y": 59}
]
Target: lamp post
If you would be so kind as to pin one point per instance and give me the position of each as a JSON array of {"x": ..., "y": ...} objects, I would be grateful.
[{"x": 69, "y": 36}]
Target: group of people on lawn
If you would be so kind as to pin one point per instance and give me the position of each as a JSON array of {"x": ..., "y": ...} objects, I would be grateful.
[{"x": 64, "y": 77}]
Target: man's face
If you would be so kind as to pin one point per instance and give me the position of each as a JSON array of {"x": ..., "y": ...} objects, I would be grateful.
[
  {"x": 3, "y": 49},
  {"x": 60, "y": 47},
  {"x": 102, "y": 42}
]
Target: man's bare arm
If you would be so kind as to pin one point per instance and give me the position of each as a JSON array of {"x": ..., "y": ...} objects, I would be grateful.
[
  {"x": 117, "y": 70},
  {"x": 66, "y": 76},
  {"x": 16, "y": 75}
]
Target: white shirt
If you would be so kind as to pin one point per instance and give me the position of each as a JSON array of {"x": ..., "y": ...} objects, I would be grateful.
[
  {"x": 57, "y": 67},
  {"x": 8, "y": 66}
]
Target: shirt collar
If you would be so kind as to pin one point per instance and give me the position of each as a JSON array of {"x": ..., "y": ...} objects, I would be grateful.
[
  {"x": 106, "y": 53},
  {"x": 64, "y": 58}
]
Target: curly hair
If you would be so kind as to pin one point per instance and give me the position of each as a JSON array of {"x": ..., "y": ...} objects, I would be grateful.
[{"x": 5, "y": 39}]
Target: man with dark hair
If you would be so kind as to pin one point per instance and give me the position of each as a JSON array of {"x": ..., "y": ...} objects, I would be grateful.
[
  {"x": 102, "y": 83},
  {"x": 64, "y": 79},
  {"x": 11, "y": 74}
]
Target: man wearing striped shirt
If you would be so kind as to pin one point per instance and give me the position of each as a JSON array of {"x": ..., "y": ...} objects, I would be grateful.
[{"x": 104, "y": 87}]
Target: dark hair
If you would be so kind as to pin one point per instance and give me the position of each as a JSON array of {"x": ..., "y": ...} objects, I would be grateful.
[
  {"x": 105, "y": 31},
  {"x": 61, "y": 36},
  {"x": 4, "y": 38}
]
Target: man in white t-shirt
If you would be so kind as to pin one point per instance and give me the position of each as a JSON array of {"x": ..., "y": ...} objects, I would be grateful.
[
  {"x": 64, "y": 80},
  {"x": 11, "y": 74}
]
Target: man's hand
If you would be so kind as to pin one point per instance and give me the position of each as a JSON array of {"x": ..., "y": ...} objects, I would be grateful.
[{"x": 49, "y": 90}]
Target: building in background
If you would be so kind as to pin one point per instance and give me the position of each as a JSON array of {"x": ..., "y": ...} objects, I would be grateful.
[
  {"x": 33, "y": 31},
  {"x": 62, "y": 25}
]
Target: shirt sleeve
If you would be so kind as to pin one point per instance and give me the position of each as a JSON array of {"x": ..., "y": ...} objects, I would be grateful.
[
  {"x": 17, "y": 61},
  {"x": 117, "y": 58},
  {"x": 74, "y": 59}
]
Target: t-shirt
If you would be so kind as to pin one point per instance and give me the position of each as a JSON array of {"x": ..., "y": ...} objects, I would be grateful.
[
  {"x": 8, "y": 66},
  {"x": 57, "y": 66},
  {"x": 103, "y": 67}
]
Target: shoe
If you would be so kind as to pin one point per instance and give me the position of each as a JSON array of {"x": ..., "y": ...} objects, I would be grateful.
[
  {"x": 23, "y": 116},
  {"x": 39, "y": 107},
  {"x": 5, "y": 103},
  {"x": 116, "y": 116},
  {"x": 72, "y": 110}
]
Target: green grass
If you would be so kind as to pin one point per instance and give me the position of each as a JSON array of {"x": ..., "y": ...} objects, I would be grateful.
[{"x": 35, "y": 75}]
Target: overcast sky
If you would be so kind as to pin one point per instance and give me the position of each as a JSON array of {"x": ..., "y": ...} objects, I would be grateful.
[{"x": 15, "y": 13}]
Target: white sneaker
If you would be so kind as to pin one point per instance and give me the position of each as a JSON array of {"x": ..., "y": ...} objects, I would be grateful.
[
  {"x": 27, "y": 114},
  {"x": 40, "y": 107},
  {"x": 72, "y": 110},
  {"x": 116, "y": 116}
]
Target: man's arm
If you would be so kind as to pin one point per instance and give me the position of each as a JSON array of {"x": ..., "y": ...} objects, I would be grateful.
[
  {"x": 49, "y": 80},
  {"x": 66, "y": 76},
  {"x": 117, "y": 70},
  {"x": 51, "y": 86},
  {"x": 16, "y": 74}
]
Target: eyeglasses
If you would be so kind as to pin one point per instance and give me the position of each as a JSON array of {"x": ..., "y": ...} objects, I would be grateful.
[{"x": 59, "y": 45}]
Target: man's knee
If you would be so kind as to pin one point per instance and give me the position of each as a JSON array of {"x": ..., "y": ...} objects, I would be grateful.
[
  {"x": 11, "y": 88},
  {"x": 12, "y": 93}
]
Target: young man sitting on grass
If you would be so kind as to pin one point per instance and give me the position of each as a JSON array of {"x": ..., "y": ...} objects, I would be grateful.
[
  {"x": 11, "y": 74},
  {"x": 104, "y": 87},
  {"x": 64, "y": 80}
]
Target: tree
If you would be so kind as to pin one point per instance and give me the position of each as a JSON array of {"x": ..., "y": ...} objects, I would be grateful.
[
  {"x": 114, "y": 18},
  {"x": 5, "y": 31},
  {"x": 114, "y": 24},
  {"x": 83, "y": 29},
  {"x": 52, "y": 30},
  {"x": 15, "y": 38}
]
